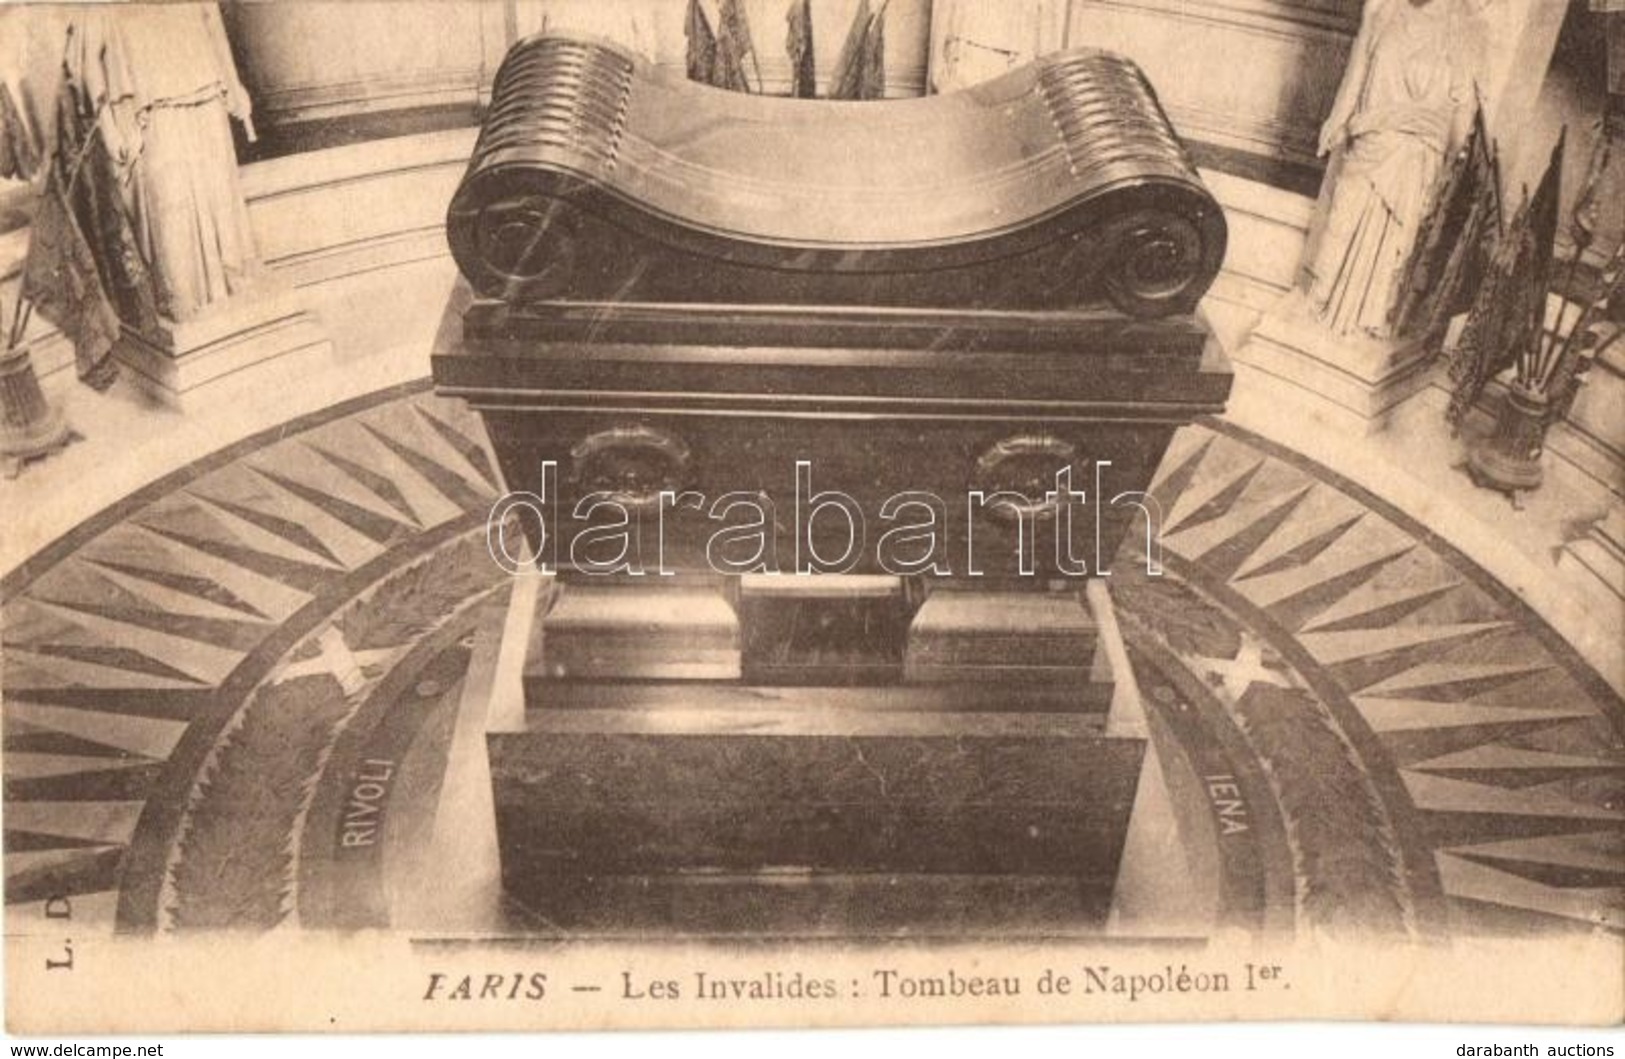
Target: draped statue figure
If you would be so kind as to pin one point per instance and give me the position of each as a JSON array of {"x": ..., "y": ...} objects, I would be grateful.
[
  {"x": 1405, "y": 104},
  {"x": 160, "y": 80}
]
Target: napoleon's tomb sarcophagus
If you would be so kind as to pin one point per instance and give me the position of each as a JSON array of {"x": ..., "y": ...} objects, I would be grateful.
[{"x": 827, "y": 413}]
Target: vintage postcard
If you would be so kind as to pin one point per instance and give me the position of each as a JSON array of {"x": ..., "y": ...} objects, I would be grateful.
[{"x": 626, "y": 514}]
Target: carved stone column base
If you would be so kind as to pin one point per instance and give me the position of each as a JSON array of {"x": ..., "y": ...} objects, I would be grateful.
[
  {"x": 1361, "y": 380},
  {"x": 183, "y": 362}
]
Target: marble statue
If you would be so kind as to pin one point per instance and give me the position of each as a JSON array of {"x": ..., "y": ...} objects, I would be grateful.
[
  {"x": 162, "y": 80},
  {"x": 1406, "y": 102}
]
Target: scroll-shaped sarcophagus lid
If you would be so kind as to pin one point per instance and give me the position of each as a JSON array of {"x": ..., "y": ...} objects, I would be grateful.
[{"x": 1059, "y": 186}]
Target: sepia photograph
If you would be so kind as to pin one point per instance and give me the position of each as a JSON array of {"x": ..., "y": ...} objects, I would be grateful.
[{"x": 565, "y": 515}]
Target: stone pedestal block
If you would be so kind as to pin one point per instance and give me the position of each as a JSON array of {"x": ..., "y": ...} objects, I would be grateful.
[
  {"x": 722, "y": 806},
  {"x": 1359, "y": 382},
  {"x": 183, "y": 364}
]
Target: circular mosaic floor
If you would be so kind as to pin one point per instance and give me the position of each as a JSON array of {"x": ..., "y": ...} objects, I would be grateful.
[{"x": 215, "y": 690}]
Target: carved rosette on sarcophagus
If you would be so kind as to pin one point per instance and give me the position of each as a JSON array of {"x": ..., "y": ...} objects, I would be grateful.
[{"x": 825, "y": 415}]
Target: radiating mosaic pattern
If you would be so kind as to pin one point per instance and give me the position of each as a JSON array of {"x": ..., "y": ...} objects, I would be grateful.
[
  {"x": 176, "y": 682},
  {"x": 1488, "y": 785},
  {"x": 228, "y": 701}
]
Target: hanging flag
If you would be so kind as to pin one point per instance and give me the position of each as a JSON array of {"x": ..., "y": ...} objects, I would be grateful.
[
  {"x": 702, "y": 45},
  {"x": 84, "y": 271},
  {"x": 1484, "y": 350},
  {"x": 61, "y": 280},
  {"x": 1508, "y": 318},
  {"x": 19, "y": 155},
  {"x": 1454, "y": 242},
  {"x": 1534, "y": 361},
  {"x": 843, "y": 82},
  {"x": 872, "y": 81},
  {"x": 860, "y": 71},
  {"x": 1544, "y": 210},
  {"x": 736, "y": 55},
  {"x": 1486, "y": 219},
  {"x": 78, "y": 242},
  {"x": 799, "y": 45}
]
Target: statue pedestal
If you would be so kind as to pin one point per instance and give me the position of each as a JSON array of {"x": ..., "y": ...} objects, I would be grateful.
[
  {"x": 1360, "y": 381},
  {"x": 182, "y": 364}
]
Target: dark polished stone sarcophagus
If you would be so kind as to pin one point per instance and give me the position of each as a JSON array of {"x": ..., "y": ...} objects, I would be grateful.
[
  {"x": 1061, "y": 185},
  {"x": 827, "y": 412}
]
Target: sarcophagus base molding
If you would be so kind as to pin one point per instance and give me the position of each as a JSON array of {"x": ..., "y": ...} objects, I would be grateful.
[{"x": 645, "y": 789}]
